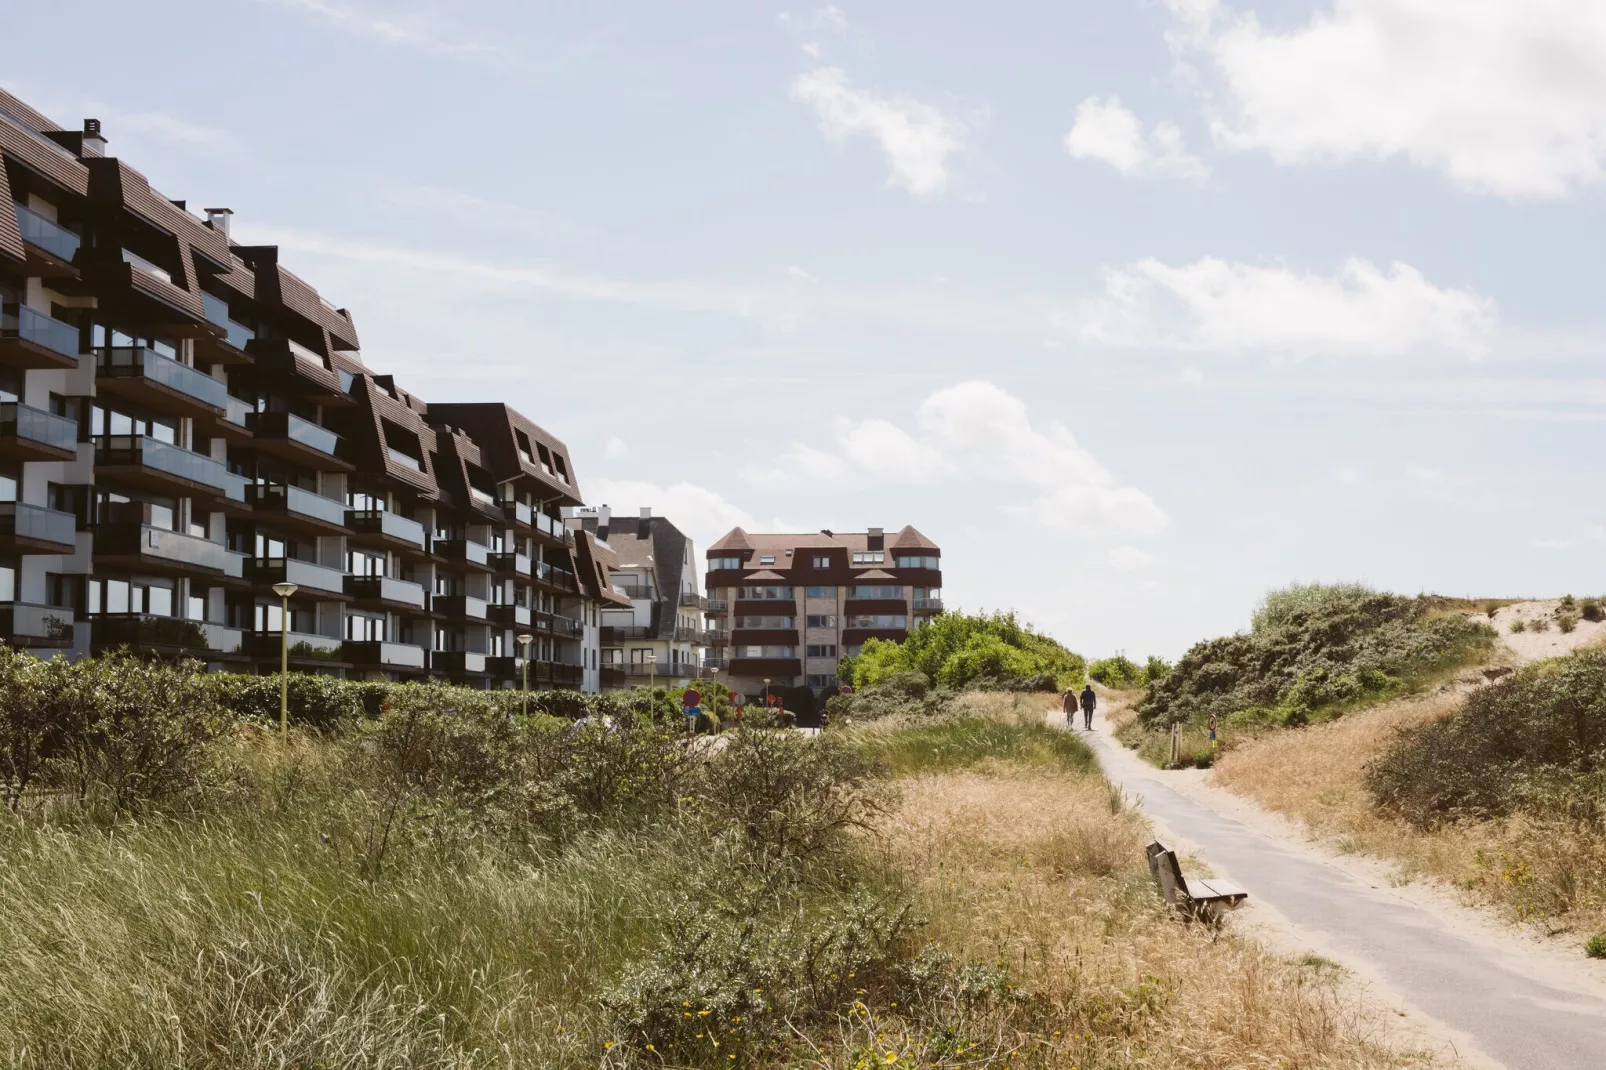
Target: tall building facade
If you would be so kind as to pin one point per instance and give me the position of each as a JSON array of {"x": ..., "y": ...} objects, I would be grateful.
[
  {"x": 185, "y": 424},
  {"x": 787, "y": 608},
  {"x": 660, "y": 636}
]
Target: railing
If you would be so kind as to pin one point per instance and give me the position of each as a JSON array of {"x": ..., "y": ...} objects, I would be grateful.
[
  {"x": 174, "y": 632},
  {"x": 614, "y": 633},
  {"x": 635, "y": 590},
  {"x": 238, "y": 412},
  {"x": 277, "y": 496},
  {"x": 553, "y": 527},
  {"x": 510, "y": 563},
  {"x": 716, "y": 635},
  {"x": 509, "y": 614},
  {"x": 518, "y": 513},
  {"x": 716, "y": 663},
  {"x": 406, "y": 460},
  {"x": 301, "y": 645},
  {"x": 139, "y": 263},
  {"x": 303, "y": 574},
  {"x": 388, "y": 655},
  {"x": 47, "y": 234},
  {"x": 465, "y": 550},
  {"x": 31, "y": 625},
  {"x": 387, "y": 524},
  {"x": 567, "y": 625},
  {"x": 29, "y": 325},
  {"x": 928, "y": 603},
  {"x": 558, "y": 577},
  {"x": 146, "y": 452},
  {"x": 717, "y": 605},
  {"x": 131, "y": 538},
  {"x": 21, "y": 521},
  {"x": 692, "y": 599},
  {"x": 461, "y": 605},
  {"x": 386, "y": 589},
  {"x": 293, "y": 428},
  {"x": 36, "y": 425},
  {"x": 687, "y": 635},
  {"x": 137, "y": 362},
  {"x": 217, "y": 313},
  {"x": 457, "y": 661}
]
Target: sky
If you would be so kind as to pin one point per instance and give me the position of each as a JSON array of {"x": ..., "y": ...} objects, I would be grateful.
[{"x": 1137, "y": 309}]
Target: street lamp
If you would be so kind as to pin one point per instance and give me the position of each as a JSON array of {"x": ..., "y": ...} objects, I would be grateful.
[
  {"x": 524, "y": 649},
  {"x": 652, "y": 671},
  {"x": 766, "y": 692},
  {"x": 284, "y": 591}
]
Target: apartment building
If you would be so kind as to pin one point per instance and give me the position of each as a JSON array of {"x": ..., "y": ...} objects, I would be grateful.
[
  {"x": 787, "y": 608},
  {"x": 660, "y": 636},
  {"x": 184, "y": 424}
]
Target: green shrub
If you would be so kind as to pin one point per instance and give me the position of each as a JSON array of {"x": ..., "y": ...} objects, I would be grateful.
[
  {"x": 1519, "y": 625},
  {"x": 966, "y": 652},
  {"x": 1567, "y": 620},
  {"x": 1279, "y": 606},
  {"x": 29, "y": 725},
  {"x": 1568, "y": 601},
  {"x": 1539, "y": 624},
  {"x": 1533, "y": 741},
  {"x": 1590, "y": 609},
  {"x": 1120, "y": 673},
  {"x": 1595, "y": 946}
]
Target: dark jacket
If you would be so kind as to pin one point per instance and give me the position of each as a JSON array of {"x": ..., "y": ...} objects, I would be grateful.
[{"x": 1089, "y": 699}]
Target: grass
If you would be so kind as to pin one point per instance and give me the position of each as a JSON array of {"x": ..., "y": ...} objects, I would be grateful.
[
  {"x": 243, "y": 931},
  {"x": 1529, "y": 868}
]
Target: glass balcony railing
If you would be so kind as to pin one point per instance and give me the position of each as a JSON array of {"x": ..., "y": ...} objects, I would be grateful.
[
  {"x": 140, "y": 264},
  {"x": 36, "y": 425},
  {"x": 558, "y": 577},
  {"x": 514, "y": 616},
  {"x": 518, "y": 564},
  {"x": 146, "y": 452},
  {"x": 404, "y": 459},
  {"x": 29, "y": 325},
  {"x": 38, "y": 524},
  {"x": 297, "y": 502},
  {"x": 387, "y": 655},
  {"x": 22, "y": 624},
  {"x": 217, "y": 313},
  {"x": 300, "y": 645},
  {"x": 461, "y": 605},
  {"x": 47, "y": 234},
  {"x": 553, "y": 526},
  {"x": 130, "y": 538},
  {"x": 466, "y": 550},
  {"x": 137, "y": 362},
  {"x": 139, "y": 629},
  {"x": 457, "y": 661},
  {"x": 287, "y": 425},
  {"x": 386, "y": 589},
  {"x": 238, "y": 412},
  {"x": 567, "y": 625},
  {"x": 387, "y": 524},
  {"x": 518, "y": 513},
  {"x": 304, "y": 574}
]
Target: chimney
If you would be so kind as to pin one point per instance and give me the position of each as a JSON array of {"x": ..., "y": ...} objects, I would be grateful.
[
  {"x": 646, "y": 512},
  {"x": 604, "y": 514},
  {"x": 876, "y": 540},
  {"x": 94, "y": 144},
  {"x": 219, "y": 219}
]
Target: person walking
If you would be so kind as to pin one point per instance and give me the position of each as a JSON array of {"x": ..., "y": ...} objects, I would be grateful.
[
  {"x": 1089, "y": 702},
  {"x": 1068, "y": 705}
]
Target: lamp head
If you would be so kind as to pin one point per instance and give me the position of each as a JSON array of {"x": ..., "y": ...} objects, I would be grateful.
[
  {"x": 284, "y": 590},
  {"x": 525, "y": 640}
]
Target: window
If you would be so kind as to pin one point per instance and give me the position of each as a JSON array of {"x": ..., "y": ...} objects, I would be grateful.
[
  {"x": 869, "y": 557},
  {"x": 919, "y": 562},
  {"x": 364, "y": 629},
  {"x": 875, "y": 592},
  {"x": 878, "y": 620},
  {"x": 61, "y": 591},
  {"x": 767, "y": 559},
  {"x": 122, "y": 596},
  {"x": 8, "y": 583},
  {"x": 765, "y": 593},
  {"x": 359, "y": 563},
  {"x": 823, "y": 620},
  {"x": 822, "y": 650},
  {"x": 822, "y": 680},
  {"x": 715, "y": 563},
  {"x": 638, "y": 655},
  {"x": 819, "y": 592},
  {"x": 766, "y": 622},
  {"x": 821, "y": 562},
  {"x": 766, "y": 651},
  {"x": 195, "y": 607},
  {"x": 524, "y": 446}
]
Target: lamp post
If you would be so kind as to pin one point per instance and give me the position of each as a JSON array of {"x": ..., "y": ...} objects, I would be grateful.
[
  {"x": 766, "y": 692},
  {"x": 524, "y": 642},
  {"x": 652, "y": 671},
  {"x": 284, "y": 591}
]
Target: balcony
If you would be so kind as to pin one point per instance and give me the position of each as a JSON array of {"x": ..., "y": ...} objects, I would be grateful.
[
  {"x": 692, "y": 600},
  {"x": 406, "y": 460},
  {"x": 518, "y": 514},
  {"x": 386, "y": 591},
  {"x": 399, "y": 657},
  {"x": 612, "y": 634},
  {"x": 30, "y": 434},
  {"x": 382, "y": 528},
  {"x": 567, "y": 626},
  {"x": 641, "y": 591},
  {"x": 150, "y": 378},
  {"x": 717, "y": 605},
  {"x": 330, "y": 583},
  {"x": 308, "y": 373},
  {"x": 31, "y": 339},
  {"x": 930, "y": 605},
  {"x": 553, "y": 529},
  {"x": 305, "y": 648},
  {"x": 715, "y": 664},
  {"x": 162, "y": 466},
  {"x": 510, "y": 565},
  {"x": 27, "y": 625},
  {"x": 464, "y": 552},
  {"x": 165, "y": 635},
  {"x": 230, "y": 346},
  {"x": 688, "y": 635},
  {"x": 461, "y": 605},
  {"x": 53, "y": 246},
  {"x": 716, "y": 636},
  {"x": 33, "y": 529},
  {"x": 298, "y": 508},
  {"x": 141, "y": 547},
  {"x": 510, "y": 616},
  {"x": 612, "y": 676},
  {"x": 552, "y": 576},
  {"x": 457, "y": 662},
  {"x": 284, "y": 434}
]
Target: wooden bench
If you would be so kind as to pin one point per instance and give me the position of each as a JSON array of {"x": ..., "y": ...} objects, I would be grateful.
[{"x": 1206, "y": 898}]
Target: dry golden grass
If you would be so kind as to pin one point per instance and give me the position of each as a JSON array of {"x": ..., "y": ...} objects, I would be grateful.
[
  {"x": 1043, "y": 874},
  {"x": 1532, "y": 870}
]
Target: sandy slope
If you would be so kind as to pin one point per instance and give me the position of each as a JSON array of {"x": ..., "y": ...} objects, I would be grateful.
[{"x": 1529, "y": 645}]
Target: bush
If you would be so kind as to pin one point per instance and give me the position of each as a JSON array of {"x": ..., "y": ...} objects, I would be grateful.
[
  {"x": 1595, "y": 946},
  {"x": 1519, "y": 625},
  {"x": 1533, "y": 741},
  {"x": 1314, "y": 650},
  {"x": 1119, "y": 673},
  {"x": 1567, "y": 620},
  {"x": 1590, "y": 609},
  {"x": 1540, "y": 624},
  {"x": 966, "y": 652}
]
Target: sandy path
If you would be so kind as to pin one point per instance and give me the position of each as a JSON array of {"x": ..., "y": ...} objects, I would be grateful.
[{"x": 1468, "y": 989}]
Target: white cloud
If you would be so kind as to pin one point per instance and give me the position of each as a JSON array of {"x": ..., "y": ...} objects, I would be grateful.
[
  {"x": 1130, "y": 559},
  {"x": 884, "y": 449},
  {"x": 1502, "y": 97},
  {"x": 1220, "y": 305},
  {"x": 1108, "y": 132},
  {"x": 419, "y": 28},
  {"x": 916, "y": 138},
  {"x": 615, "y": 448},
  {"x": 699, "y": 512}
]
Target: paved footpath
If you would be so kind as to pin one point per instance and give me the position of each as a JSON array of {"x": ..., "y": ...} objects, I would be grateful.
[{"x": 1524, "y": 1023}]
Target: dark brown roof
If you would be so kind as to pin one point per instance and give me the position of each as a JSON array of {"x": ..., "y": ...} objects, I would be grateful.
[
  {"x": 737, "y": 539},
  {"x": 495, "y": 427}
]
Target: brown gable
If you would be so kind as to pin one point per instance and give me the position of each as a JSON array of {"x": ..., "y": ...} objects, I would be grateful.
[
  {"x": 49, "y": 160},
  {"x": 10, "y": 233},
  {"x": 910, "y": 539},
  {"x": 734, "y": 539}
]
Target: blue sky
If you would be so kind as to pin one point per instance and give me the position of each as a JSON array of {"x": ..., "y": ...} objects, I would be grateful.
[{"x": 1136, "y": 308}]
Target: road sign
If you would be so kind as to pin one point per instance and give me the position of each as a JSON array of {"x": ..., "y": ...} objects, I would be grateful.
[
  {"x": 738, "y": 699},
  {"x": 693, "y": 712},
  {"x": 691, "y": 698},
  {"x": 845, "y": 689}
]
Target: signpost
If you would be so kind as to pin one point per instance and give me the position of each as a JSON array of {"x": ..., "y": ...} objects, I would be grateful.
[
  {"x": 738, "y": 700},
  {"x": 691, "y": 700}
]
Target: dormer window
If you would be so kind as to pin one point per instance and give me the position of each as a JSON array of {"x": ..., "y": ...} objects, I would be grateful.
[{"x": 767, "y": 559}]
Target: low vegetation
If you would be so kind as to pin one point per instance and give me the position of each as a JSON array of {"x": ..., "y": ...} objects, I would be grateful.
[
  {"x": 442, "y": 881},
  {"x": 1121, "y": 673},
  {"x": 959, "y": 652},
  {"x": 1314, "y": 651}
]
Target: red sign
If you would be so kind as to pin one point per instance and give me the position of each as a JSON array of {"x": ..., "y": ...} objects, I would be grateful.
[{"x": 691, "y": 698}]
